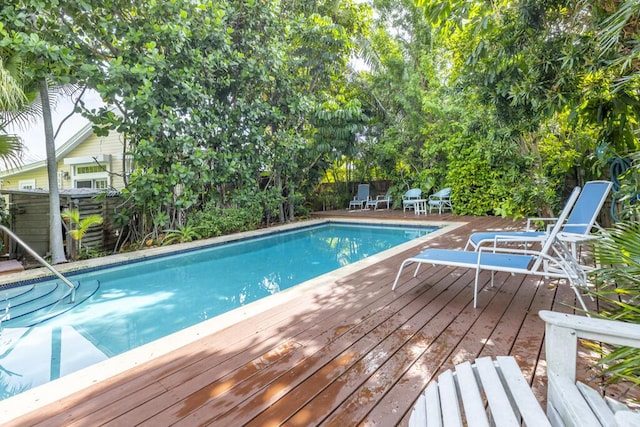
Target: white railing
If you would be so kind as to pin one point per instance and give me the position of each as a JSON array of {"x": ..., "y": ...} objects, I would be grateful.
[{"x": 42, "y": 261}]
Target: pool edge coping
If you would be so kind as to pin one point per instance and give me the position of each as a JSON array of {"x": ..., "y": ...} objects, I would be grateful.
[{"x": 48, "y": 393}]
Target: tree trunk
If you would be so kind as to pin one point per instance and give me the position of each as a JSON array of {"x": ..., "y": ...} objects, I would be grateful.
[
  {"x": 281, "y": 213},
  {"x": 291, "y": 199},
  {"x": 55, "y": 220}
]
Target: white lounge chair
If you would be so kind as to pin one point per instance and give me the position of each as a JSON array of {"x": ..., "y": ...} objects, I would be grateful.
[
  {"x": 495, "y": 392},
  {"x": 554, "y": 260},
  {"x": 360, "y": 199},
  {"x": 576, "y": 229}
]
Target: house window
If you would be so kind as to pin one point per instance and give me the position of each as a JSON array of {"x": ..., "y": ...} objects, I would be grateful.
[
  {"x": 27, "y": 184},
  {"x": 80, "y": 170},
  {"x": 90, "y": 171},
  {"x": 91, "y": 183},
  {"x": 91, "y": 176}
]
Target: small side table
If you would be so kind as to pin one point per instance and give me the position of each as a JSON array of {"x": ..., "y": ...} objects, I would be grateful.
[{"x": 420, "y": 206}]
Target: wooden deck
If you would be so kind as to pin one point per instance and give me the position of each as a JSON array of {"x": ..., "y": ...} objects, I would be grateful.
[{"x": 351, "y": 353}]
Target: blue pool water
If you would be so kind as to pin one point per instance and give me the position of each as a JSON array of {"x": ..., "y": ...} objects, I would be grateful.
[{"x": 139, "y": 302}]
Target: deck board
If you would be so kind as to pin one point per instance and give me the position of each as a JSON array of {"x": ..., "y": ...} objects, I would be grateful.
[{"x": 351, "y": 353}]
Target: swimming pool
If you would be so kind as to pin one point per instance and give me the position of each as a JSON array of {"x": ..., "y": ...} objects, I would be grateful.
[{"x": 138, "y": 302}]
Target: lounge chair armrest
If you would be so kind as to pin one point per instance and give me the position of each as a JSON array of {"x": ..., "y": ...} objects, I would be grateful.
[
  {"x": 577, "y": 238},
  {"x": 514, "y": 251},
  {"x": 609, "y": 331},
  {"x": 583, "y": 226},
  {"x": 508, "y": 238},
  {"x": 497, "y": 239}
]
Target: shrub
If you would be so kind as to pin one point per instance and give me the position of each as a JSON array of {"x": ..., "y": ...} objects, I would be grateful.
[
  {"x": 215, "y": 221},
  {"x": 618, "y": 292}
]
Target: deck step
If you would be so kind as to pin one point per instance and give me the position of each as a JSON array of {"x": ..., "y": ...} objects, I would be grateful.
[{"x": 10, "y": 266}]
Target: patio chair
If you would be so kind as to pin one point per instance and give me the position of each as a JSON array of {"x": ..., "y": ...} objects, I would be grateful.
[
  {"x": 440, "y": 200},
  {"x": 360, "y": 199},
  {"x": 554, "y": 260},
  {"x": 576, "y": 229},
  {"x": 380, "y": 199},
  {"x": 410, "y": 197},
  {"x": 495, "y": 392}
]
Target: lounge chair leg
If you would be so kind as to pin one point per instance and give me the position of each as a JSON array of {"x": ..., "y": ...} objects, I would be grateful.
[
  {"x": 395, "y": 282},
  {"x": 417, "y": 268},
  {"x": 475, "y": 289},
  {"x": 580, "y": 300}
]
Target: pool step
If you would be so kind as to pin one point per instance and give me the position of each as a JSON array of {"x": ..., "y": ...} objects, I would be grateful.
[
  {"x": 26, "y": 294},
  {"x": 30, "y": 305}
]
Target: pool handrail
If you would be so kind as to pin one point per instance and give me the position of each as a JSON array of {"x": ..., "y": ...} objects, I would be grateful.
[{"x": 41, "y": 261}]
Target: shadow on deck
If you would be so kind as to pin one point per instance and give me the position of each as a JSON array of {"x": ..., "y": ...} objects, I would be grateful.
[{"x": 353, "y": 352}]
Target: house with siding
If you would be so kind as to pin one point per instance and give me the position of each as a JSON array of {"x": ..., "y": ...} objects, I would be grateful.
[
  {"x": 84, "y": 161},
  {"x": 87, "y": 165}
]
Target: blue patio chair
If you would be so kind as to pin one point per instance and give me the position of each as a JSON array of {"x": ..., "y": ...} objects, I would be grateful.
[
  {"x": 554, "y": 260},
  {"x": 380, "y": 199},
  {"x": 410, "y": 197},
  {"x": 577, "y": 228},
  {"x": 361, "y": 198},
  {"x": 440, "y": 200}
]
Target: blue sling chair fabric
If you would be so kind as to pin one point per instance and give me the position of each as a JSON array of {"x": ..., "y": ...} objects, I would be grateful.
[{"x": 578, "y": 226}]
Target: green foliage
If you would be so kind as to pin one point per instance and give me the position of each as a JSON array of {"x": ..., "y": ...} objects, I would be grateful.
[
  {"x": 265, "y": 203},
  {"x": 490, "y": 171},
  {"x": 627, "y": 196},
  {"x": 78, "y": 228},
  {"x": 80, "y": 225},
  {"x": 215, "y": 221},
  {"x": 207, "y": 96},
  {"x": 4, "y": 213},
  {"x": 12, "y": 98},
  {"x": 183, "y": 234},
  {"x": 531, "y": 60},
  {"x": 618, "y": 292}
]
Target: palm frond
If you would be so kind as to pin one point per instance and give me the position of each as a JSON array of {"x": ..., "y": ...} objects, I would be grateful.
[
  {"x": 72, "y": 215},
  {"x": 90, "y": 221},
  {"x": 612, "y": 33},
  {"x": 10, "y": 150},
  {"x": 12, "y": 96},
  {"x": 618, "y": 292},
  {"x": 31, "y": 111}
]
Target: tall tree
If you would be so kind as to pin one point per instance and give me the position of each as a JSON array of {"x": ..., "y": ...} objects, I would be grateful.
[
  {"x": 531, "y": 60},
  {"x": 320, "y": 118},
  {"x": 55, "y": 221},
  {"x": 43, "y": 59},
  {"x": 214, "y": 97}
]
